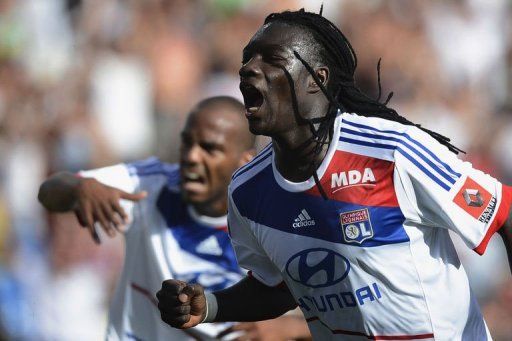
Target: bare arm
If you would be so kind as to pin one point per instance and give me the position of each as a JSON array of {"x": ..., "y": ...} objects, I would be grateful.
[
  {"x": 59, "y": 193},
  {"x": 89, "y": 199}
]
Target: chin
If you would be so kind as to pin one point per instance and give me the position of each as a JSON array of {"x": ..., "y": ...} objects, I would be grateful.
[
  {"x": 257, "y": 127},
  {"x": 193, "y": 198}
]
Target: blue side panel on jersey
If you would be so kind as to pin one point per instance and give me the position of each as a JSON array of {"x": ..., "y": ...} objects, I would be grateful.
[
  {"x": 189, "y": 234},
  {"x": 262, "y": 200},
  {"x": 153, "y": 166}
]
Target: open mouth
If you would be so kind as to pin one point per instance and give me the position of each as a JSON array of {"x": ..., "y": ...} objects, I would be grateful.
[
  {"x": 253, "y": 98},
  {"x": 190, "y": 178}
]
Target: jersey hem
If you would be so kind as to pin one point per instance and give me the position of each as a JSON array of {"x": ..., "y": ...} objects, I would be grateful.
[{"x": 372, "y": 337}]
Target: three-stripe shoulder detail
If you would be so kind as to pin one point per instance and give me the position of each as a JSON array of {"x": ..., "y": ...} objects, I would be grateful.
[{"x": 408, "y": 146}]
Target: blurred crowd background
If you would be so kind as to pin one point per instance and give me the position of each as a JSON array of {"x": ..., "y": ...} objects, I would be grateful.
[{"x": 89, "y": 83}]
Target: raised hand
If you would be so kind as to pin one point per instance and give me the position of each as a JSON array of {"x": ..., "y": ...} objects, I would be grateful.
[
  {"x": 96, "y": 202},
  {"x": 182, "y": 305}
]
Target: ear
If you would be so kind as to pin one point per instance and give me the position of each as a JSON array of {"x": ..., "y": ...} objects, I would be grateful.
[
  {"x": 323, "y": 75},
  {"x": 246, "y": 156}
]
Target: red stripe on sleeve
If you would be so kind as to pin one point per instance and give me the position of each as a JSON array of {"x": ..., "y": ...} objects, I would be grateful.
[{"x": 500, "y": 219}]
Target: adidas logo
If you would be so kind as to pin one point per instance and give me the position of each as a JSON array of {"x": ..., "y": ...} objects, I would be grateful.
[
  {"x": 209, "y": 246},
  {"x": 303, "y": 220}
]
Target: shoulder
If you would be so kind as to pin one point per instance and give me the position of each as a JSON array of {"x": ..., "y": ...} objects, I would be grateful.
[
  {"x": 409, "y": 147},
  {"x": 251, "y": 170},
  {"x": 386, "y": 138},
  {"x": 153, "y": 167}
]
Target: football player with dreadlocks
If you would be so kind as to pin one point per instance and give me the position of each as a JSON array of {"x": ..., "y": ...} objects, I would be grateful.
[{"x": 347, "y": 212}]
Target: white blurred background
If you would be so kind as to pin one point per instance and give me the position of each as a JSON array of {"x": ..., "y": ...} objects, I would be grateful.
[{"x": 88, "y": 83}]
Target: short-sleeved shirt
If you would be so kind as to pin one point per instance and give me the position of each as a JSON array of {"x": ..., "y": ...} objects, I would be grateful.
[
  {"x": 375, "y": 260},
  {"x": 165, "y": 239}
]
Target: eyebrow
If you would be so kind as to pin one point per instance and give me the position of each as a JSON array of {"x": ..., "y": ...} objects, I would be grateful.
[{"x": 252, "y": 47}]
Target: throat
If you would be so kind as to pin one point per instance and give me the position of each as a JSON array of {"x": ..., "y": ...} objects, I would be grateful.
[{"x": 298, "y": 166}]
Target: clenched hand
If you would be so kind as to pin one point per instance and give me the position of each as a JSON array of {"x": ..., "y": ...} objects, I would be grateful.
[{"x": 182, "y": 305}]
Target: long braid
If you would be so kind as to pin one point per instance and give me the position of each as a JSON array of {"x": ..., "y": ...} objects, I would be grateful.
[{"x": 343, "y": 93}]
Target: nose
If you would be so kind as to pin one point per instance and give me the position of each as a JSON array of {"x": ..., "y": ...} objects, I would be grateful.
[
  {"x": 250, "y": 68},
  {"x": 191, "y": 154}
]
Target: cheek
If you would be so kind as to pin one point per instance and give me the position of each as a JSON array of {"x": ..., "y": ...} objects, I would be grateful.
[{"x": 221, "y": 169}]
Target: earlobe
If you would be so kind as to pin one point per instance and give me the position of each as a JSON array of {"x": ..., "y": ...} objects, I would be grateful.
[{"x": 322, "y": 73}]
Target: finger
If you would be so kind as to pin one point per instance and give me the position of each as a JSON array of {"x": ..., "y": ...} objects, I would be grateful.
[
  {"x": 89, "y": 222},
  {"x": 95, "y": 236},
  {"x": 175, "y": 321},
  {"x": 172, "y": 286},
  {"x": 133, "y": 196},
  {"x": 173, "y": 309},
  {"x": 168, "y": 299},
  {"x": 105, "y": 224},
  {"x": 111, "y": 214},
  {"x": 112, "y": 218},
  {"x": 119, "y": 210},
  {"x": 188, "y": 292},
  {"x": 80, "y": 218}
]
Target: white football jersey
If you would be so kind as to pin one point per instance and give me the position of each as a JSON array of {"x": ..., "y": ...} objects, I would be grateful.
[
  {"x": 165, "y": 239},
  {"x": 375, "y": 260}
]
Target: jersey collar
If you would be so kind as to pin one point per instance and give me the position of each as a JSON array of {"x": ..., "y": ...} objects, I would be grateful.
[
  {"x": 309, "y": 183},
  {"x": 205, "y": 220}
]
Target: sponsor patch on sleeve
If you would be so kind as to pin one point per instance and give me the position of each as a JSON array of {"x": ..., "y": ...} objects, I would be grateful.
[{"x": 476, "y": 200}]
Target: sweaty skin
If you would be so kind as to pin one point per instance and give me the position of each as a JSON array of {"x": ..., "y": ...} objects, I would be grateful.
[
  {"x": 278, "y": 94},
  {"x": 214, "y": 143},
  {"x": 268, "y": 63}
]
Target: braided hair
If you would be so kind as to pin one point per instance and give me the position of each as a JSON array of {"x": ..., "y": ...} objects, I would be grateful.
[{"x": 334, "y": 49}]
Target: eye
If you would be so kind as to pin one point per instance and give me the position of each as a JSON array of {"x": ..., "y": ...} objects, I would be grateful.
[
  {"x": 210, "y": 148},
  {"x": 273, "y": 58}
]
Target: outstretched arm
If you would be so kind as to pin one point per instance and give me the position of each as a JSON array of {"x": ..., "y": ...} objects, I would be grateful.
[
  {"x": 89, "y": 199},
  {"x": 60, "y": 192},
  {"x": 183, "y": 305}
]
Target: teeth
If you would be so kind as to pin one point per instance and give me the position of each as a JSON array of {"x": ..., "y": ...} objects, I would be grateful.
[{"x": 192, "y": 176}]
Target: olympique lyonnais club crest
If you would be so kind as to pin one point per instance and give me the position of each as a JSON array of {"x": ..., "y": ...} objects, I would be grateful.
[
  {"x": 356, "y": 226},
  {"x": 475, "y": 200}
]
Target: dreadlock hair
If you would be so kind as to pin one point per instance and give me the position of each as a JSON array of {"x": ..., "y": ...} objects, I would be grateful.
[{"x": 334, "y": 49}]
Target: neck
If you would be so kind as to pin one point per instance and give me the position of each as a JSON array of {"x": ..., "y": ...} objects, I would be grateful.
[
  {"x": 296, "y": 159},
  {"x": 212, "y": 209},
  {"x": 296, "y": 152}
]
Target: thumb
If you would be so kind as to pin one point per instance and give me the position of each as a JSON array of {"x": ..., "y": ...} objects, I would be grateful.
[{"x": 133, "y": 196}]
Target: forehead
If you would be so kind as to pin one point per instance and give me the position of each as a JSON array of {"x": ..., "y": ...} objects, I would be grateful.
[
  {"x": 279, "y": 36},
  {"x": 211, "y": 123}
]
